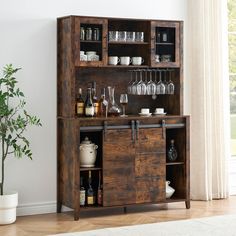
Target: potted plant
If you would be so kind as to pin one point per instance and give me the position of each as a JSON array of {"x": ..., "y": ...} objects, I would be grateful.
[{"x": 14, "y": 120}]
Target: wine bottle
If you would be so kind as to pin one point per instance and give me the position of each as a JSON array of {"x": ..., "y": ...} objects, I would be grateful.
[
  {"x": 90, "y": 192},
  {"x": 99, "y": 193},
  {"x": 172, "y": 152},
  {"x": 95, "y": 99},
  {"x": 89, "y": 108},
  {"x": 80, "y": 104},
  {"x": 82, "y": 192},
  {"x": 103, "y": 104}
]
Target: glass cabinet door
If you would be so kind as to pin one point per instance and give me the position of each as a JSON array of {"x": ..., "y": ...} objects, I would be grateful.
[
  {"x": 90, "y": 41},
  {"x": 166, "y": 44}
]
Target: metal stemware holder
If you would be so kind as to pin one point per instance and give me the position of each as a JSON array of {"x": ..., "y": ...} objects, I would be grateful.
[{"x": 151, "y": 82}]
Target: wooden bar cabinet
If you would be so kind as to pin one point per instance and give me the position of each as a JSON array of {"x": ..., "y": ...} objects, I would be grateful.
[{"x": 132, "y": 150}]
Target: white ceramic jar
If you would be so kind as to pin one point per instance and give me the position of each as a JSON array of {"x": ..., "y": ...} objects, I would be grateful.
[
  {"x": 88, "y": 153},
  {"x": 169, "y": 190}
]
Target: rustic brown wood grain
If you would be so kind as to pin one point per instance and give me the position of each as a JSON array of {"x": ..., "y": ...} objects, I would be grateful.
[{"x": 132, "y": 161}]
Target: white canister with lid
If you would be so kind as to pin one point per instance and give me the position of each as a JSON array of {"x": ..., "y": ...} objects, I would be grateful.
[{"x": 88, "y": 153}]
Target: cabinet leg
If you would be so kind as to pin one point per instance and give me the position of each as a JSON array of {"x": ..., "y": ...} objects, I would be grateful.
[
  {"x": 76, "y": 215},
  {"x": 59, "y": 206},
  {"x": 125, "y": 210},
  {"x": 187, "y": 204}
]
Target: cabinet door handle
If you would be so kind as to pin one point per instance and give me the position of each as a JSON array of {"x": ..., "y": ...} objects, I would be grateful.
[
  {"x": 163, "y": 129},
  {"x": 137, "y": 129}
]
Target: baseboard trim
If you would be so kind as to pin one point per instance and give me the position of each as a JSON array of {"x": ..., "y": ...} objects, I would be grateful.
[
  {"x": 39, "y": 208},
  {"x": 36, "y": 208}
]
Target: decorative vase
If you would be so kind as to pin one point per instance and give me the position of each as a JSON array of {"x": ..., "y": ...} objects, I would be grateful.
[
  {"x": 172, "y": 152},
  {"x": 113, "y": 108},
  {"x": 88, "y": 153},
  {"x": 169, "y": 190},
  {"x": 8, "y": 204}
]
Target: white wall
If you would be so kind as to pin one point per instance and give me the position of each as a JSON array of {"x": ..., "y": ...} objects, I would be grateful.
[{"x": 28, "y": 40}]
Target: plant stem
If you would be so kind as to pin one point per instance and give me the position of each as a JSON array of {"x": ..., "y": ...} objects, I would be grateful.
[{"x": 3, "y": 158}]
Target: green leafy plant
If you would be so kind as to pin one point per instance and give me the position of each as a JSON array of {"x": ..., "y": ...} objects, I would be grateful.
[{"x": 14, "y": 120}]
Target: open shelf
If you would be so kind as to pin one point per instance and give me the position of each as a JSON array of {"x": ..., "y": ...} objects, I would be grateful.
[
  {"x": 90, "y": 168},
  {"x": 175, "y": 163},
  {"x": 125, "y": 42},
  {"x": 90, "y": 41},
  {"x": 167, "y": 44}
]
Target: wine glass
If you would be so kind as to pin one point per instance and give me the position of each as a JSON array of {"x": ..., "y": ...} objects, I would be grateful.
[
  {"x": 123, "y": 102},
  {"x": 160, "y": 88},
  {"x": 151, "y": 86},
  {"x": 129, "y": 88},
  {"x": 141, "y": 86},
  {"x": 134, "y": 84},
  {"x": 170, "y": 86}
]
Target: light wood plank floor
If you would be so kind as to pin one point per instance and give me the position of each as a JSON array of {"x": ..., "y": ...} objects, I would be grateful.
[{"x": 59, "y": 223}]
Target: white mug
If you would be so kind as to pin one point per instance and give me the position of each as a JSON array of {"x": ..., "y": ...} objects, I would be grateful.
[
  {"x": 145, "y": 111},
  {"x": 113, "y": 60},
  {"x": 125, "y": 61},
  {"x": 159, "y": 110},
  {"x": 137, "y": 61}
]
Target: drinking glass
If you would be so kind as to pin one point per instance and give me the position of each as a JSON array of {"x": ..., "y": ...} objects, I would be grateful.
[
  {"x": 123, "y": 102},
  {"x": 130, "y": 36},
  {"x": 141, "y": 86},
  {"x": 139, "y": 36},
  {"x": 113, "y": 36},
  {"x": 151, "y": 86},
  {"x": 165, "y": 82},
  {"x": 170, "y": 86},
  {"x": 134, "y": 84},
  {"x": 129, "y": 88},
  {"x": 122, "y": 36},
  {"x": 160, "y": 87}
]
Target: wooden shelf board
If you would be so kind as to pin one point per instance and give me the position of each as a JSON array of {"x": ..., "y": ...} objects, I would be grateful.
[
  {"x": 90, "y": 41},
  {"x": 129, "y": 43},
  {"x": 89, "y": 168},
  {"x": 165, "y": 44},
  {"x": 175, "y": 163}
]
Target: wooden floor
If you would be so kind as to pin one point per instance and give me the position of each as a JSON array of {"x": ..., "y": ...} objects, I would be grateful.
[{"x": 60, "y": 223}]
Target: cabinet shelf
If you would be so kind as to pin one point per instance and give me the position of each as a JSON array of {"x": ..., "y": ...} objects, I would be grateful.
[
  {"x": 129, "y": 66},
  {"x": 90, "y": 168},
  {"x": 88, "y": 208},
  {"x": 165, "y": 44},
  {"x": 90, "y": 41},
  {"x": 175, "y": 163},
  {"x": 125, "y": 42}
]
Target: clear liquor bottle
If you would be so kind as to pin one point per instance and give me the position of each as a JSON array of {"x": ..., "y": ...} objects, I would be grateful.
[{"x": 89, "y": 107}]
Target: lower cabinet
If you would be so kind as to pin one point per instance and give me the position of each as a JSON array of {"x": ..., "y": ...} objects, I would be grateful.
[{"x": 133, "y": 166}]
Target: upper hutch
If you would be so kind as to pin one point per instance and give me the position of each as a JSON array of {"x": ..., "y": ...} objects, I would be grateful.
[{"x": 131, "y": 156}]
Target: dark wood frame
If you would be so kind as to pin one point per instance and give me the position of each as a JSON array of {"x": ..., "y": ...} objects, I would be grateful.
[{"x": 72, "y": 74}]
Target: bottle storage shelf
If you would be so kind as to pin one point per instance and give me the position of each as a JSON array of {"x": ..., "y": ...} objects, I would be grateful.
[{"x": 133, "y": 157}]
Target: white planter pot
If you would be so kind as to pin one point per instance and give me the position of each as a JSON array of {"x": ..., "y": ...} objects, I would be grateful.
[{"x": 8, "y": 204}]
